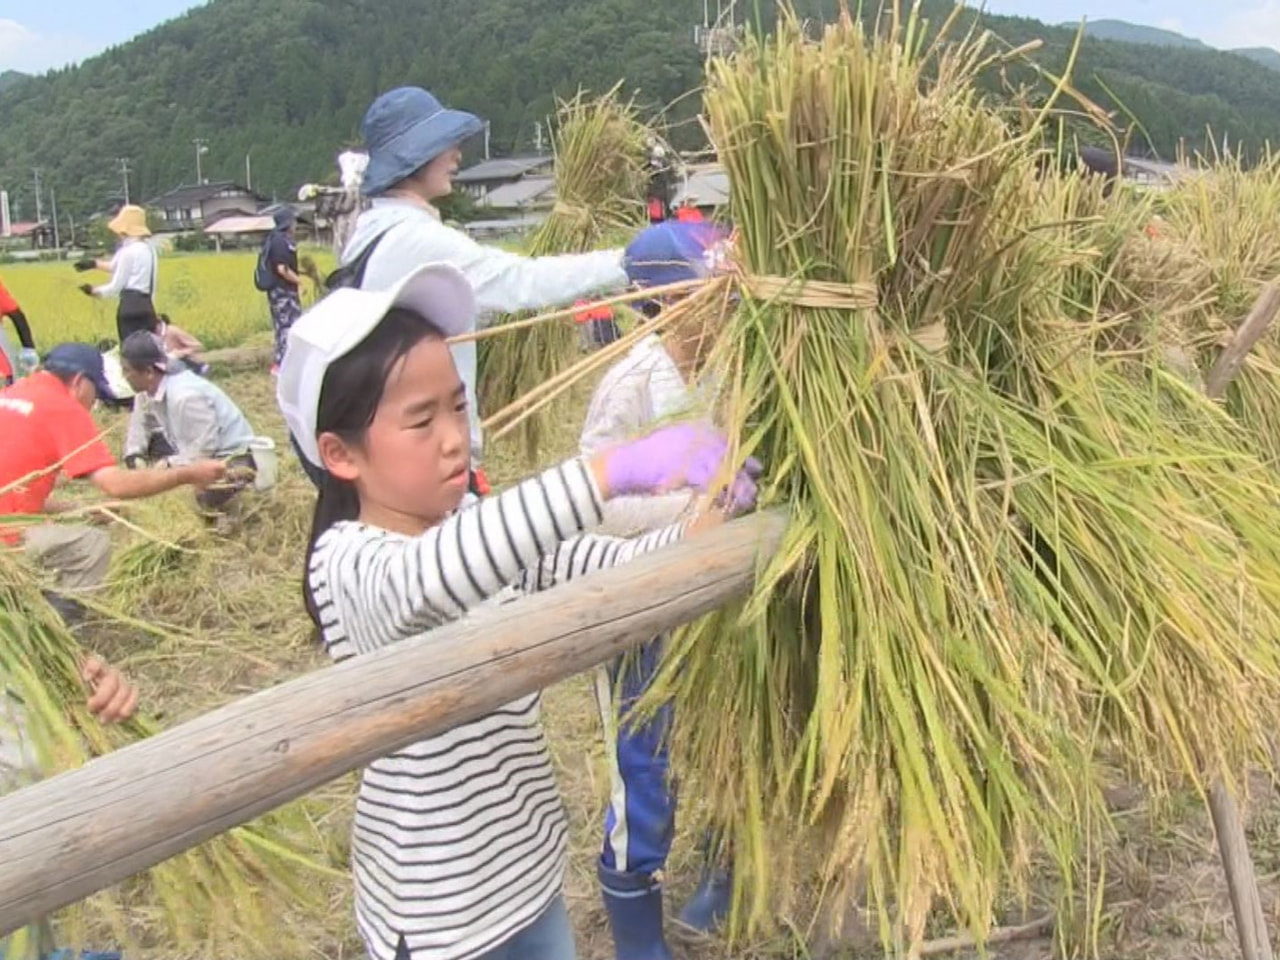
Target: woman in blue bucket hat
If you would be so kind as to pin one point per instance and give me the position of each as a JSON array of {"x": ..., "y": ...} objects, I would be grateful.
[{"x": 414, "y": 145}]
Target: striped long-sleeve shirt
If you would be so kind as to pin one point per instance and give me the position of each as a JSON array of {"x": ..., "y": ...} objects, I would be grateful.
[{"x": 459, "y": 840}]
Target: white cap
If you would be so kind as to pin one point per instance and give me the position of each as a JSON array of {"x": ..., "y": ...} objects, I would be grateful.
[{"x": 340, "y": 322}]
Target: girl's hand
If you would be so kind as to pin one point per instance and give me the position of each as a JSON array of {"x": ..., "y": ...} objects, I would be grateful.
[
  {"x": 682, "y": 456},
  {"x": 113, "y": 697}
]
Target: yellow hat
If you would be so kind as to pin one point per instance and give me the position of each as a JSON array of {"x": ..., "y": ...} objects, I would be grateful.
[{"x": 131, "y": 221}]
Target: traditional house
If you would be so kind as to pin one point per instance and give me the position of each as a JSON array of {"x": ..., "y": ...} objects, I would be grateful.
[
  {"x": 193, "y": 207},
  {"x": 489, "y": 175},
  {"x": 40, "y": 236},
  {"x": 532, "y": 193},
  {"x": 705, "y": 185}
]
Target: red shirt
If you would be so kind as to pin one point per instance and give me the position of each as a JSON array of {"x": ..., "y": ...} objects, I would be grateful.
[
  {"x": 7, "y": 304},
  {"x": 45, "y": 430}
]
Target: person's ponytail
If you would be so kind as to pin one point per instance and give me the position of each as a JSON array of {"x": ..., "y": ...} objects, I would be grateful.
[{"x": 338, "y": 501}]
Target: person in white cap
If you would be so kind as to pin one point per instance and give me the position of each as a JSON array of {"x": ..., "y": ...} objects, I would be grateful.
[
  {"x": 459, "y": 840},
  {"x": 414, "y": 151}
]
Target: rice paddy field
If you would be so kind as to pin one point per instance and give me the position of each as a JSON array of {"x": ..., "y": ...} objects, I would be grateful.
[{"x": 211, "y": 295}]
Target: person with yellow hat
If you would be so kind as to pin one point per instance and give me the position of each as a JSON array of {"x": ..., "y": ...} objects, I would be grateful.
[{"x": 133, "y": 273}]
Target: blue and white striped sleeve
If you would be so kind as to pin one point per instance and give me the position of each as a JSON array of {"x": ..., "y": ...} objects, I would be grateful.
[
  {"x": 384, "y": 588},
  {"x": 584, "y": 554}
]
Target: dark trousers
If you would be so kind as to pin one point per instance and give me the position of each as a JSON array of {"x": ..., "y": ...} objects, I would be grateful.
[
  {"x": 240, "y": 469},
  {"x": 135, "y": 312}
]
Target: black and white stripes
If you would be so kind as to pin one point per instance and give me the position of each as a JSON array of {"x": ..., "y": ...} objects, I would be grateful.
[{"x": 459, "y": 840}]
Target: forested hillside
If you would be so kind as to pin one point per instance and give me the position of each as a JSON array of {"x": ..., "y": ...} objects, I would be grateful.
[{"x": 288, "y": 80}]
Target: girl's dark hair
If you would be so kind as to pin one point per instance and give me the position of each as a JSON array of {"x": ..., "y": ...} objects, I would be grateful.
[{"x": 349, "y": 399}]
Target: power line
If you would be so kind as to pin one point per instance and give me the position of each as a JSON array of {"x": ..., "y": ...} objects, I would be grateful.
[
  {"x": 202, "y": 147},
  {"x": 124, "y": 172}
]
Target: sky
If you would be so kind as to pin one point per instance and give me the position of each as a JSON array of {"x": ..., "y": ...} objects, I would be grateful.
[{"x": 37, "y": 36}]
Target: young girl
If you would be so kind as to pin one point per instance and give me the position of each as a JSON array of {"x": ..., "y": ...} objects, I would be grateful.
[{"x": 459, "y": 840}]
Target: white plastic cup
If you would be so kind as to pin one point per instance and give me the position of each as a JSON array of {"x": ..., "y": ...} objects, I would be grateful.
[{"x": 265, "y": 462}]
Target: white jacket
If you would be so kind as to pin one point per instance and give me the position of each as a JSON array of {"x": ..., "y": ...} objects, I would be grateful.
[
  {"x": 641, "y": 389},
  {"x": 503, "y": 282}
]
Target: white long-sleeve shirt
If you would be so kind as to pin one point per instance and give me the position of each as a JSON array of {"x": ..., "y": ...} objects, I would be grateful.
[
  {"x": 459, "y": 840},
  {"x": 133, "y": 267},
  {"x": 641, "y": 389},
  {"x": 503, "y": 282}
]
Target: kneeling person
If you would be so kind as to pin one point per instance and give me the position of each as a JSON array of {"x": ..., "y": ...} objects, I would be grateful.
[
  {"x": 180, "y": 417},
  {"x": 48, "y": 429}
]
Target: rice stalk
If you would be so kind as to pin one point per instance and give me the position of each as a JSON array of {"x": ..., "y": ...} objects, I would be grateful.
[
  {"x": 1013, "y": 552},
  {"x": 600, "y": 149},
  {"x": 252, "y": 891}
]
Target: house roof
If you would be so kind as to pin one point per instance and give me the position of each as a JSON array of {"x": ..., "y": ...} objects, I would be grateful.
[
  {"x": 502, "y": 168},
  {"x": 709, "y": 187},
  {"x": 26, "y": 227},
  {"x": 188, "y": 194},
  {"x": 522, "y": 193},
  {"x": 240, "y": 224}
]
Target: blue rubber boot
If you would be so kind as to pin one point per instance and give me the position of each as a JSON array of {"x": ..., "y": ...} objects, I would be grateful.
[
  {"x": 634, "y": 904},
  {"x": 709, "y": 906}
]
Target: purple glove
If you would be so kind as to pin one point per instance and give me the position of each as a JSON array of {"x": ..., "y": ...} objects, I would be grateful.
[
  {"x": 682, "y": 456},
  {"x": 740, "y": 496}
]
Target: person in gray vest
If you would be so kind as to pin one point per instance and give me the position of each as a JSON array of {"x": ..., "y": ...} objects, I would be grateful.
[{"x": 180, "y": 417}]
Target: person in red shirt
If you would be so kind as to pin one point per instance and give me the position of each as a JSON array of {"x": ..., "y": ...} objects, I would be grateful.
[
  {"x": 688, "y": 211},
  {"x": 48, "y": 428},
  {"x": 9, "y": 308}
]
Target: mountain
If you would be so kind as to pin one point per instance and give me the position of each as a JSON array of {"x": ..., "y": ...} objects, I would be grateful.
[
  {"x": 287, "y": 81},
  {"x": 1126, "y": 32},
  {"x": 1264, "y": 55},
  {"x": 9, "y": 78}
]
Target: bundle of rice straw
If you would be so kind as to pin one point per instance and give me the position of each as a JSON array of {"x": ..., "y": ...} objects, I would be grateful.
[
  {"x": 1009, "y": 556},
  {"x": 251, "y": 892},
  {"x": 600, "y": 154}
]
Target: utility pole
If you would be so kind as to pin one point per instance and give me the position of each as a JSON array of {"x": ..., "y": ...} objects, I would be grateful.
[
  {"x": 537, "y": 127},
  {"x": 248, "y": 174},
  {"x": 124, "y": 172},
  {"x": 35, "y": 173},
  {"x": 487, "y": 127},
  {"x": 202, "y": 147},
  {"x": 53, "y": 200}
]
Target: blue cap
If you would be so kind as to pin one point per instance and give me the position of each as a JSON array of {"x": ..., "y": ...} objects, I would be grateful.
[
  {"x": 406, "y": 129},
  {"x": 83, "y": 359},
  {"x": 670, "y": 252},
  {"x": 284, "y": 218}
]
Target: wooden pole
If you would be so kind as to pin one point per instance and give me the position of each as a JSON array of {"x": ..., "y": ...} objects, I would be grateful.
[
  {"x": 68, "y": 837},
  {"x": 1246, "y": 337},
  {"x": 1233, "y": 846}
]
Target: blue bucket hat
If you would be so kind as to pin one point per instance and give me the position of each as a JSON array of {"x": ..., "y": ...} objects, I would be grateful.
[
  {"x": 405, "y": 129},
  {"x": 284, "y": 218},
  {"x": 83, "y": 359},
  {"x": 670, "y": 252}
]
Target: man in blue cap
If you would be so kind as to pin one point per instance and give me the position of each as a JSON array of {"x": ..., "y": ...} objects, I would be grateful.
[
  {"x": 414, "y": 144},
  {"x": 48, "y": 430},
  {"x": 651, "y": 383},
  {"x": 277, "y": 276}
]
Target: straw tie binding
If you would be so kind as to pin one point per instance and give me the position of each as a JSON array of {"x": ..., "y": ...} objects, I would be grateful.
[
  {"x": 819, "y": 294},
  {"x": 828, "y": 295}
]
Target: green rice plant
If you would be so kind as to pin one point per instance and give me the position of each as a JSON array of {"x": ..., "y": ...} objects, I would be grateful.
[
  {"x": 1012, "y": 553},
  {"x": 255, "y": 891},
  {"x": 600, "y": 152}
]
